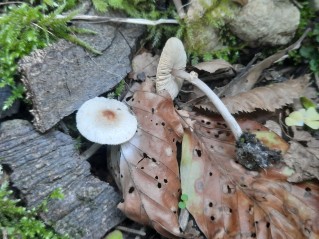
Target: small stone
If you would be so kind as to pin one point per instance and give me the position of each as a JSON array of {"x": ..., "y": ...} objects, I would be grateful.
[{"x": 266, "y": 22}]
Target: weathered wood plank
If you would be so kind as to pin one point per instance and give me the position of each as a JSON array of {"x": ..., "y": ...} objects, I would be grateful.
[
  {"x": 41, "y": 163},
  {"x": 62, "y": 76}
]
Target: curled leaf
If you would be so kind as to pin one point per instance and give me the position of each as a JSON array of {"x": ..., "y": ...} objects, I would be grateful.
[{"x": 149, "y": 172}]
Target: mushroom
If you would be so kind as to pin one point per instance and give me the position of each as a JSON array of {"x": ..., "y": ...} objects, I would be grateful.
[
  {"x": 173, "y": 57},
  {"x": 106, "y": 121},
  {"x": 171, "y": 74},
  {"x": 170, "y": 77}
]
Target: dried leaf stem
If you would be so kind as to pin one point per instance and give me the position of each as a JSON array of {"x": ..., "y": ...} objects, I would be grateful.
[
  {"x": 140, "y": 21},
  {"x": 222, "y": 109}
]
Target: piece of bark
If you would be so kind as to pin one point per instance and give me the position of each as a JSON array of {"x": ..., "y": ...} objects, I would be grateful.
[
  {"x": 62, "y": 76},
  {"x": 42, "y": 163}
]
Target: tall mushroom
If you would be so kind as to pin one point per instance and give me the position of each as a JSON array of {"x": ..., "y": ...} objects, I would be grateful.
[
  {"x": 173, "y": 57},
  {"x": 170, "y": 76}
]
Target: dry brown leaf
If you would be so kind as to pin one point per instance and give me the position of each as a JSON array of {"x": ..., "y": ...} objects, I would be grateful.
[
  {"x": 269, "y": 98},
  {"x": 313, "y": 144},
  {"x": 213, "y": 66},
  {"x": 148, "y": 165},
  {"x": 304, "y": 161},
  {"x": 274, "y": 126},
  {"x": 144, "y": 63},
  {"x": 231, "y": 202},
  {"x": 300, "y": 135},
  {"x": 228, "y": 201}
]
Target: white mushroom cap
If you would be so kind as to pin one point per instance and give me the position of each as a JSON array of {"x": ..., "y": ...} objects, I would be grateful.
[
  {"x": 106, "y": 121},
  {"x": 173, "y": 57}
]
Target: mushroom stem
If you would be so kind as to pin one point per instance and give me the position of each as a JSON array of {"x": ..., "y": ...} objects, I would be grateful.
[
  {"x": 222, "y": 109},
  {"x": 90, "y": 151}
]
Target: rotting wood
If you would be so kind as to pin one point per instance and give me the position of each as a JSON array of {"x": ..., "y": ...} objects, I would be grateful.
[
  {"x": 62, "y": 76},
  {"x": 42, "y": 163}
]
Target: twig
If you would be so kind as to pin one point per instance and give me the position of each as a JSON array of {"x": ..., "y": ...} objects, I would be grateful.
[
  {"x": 139, "y": 21},
  {"x": 240, "y": 75},
  {"x": 130, "y": 230},
  {"x": 90, "y": 151}
]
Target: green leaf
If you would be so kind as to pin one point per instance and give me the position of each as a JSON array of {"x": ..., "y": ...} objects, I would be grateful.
[
  {"x": 310, "y": 117},
  {"x": 307, "y": 103},
  {"x": 184, "y": 197},
  {"x": 182, "y": 205},
  {"x": 116, "y": 234},
  {"x": 190, "y": 170},
  {"x": 296, "y": 118}
]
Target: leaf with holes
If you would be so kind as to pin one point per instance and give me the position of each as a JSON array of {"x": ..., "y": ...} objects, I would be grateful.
[
  {"x": 228, "y": 201},
  {"x": 149, "y": 170}
]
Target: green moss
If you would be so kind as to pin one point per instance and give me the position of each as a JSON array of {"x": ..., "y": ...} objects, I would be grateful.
[
  {"x": 19, "y": 222},
  {"x": 25, "y": 28},
  {"x": 208, "y": 36}
]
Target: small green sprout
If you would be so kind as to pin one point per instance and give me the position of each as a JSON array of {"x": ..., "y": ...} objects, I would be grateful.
[
  {"x": 116, "y": 234},
  {"x": 182, "y": 203},
  {"x": 309, "y": 117}
]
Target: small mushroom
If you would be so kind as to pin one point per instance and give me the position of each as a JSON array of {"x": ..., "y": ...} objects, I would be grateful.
[
  {"x": 106, "y": 121},
  {"x": 173, "y": 57}
]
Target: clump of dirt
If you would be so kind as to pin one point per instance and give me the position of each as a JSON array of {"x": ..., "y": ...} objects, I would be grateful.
[{"x": 252, "y": 154}]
